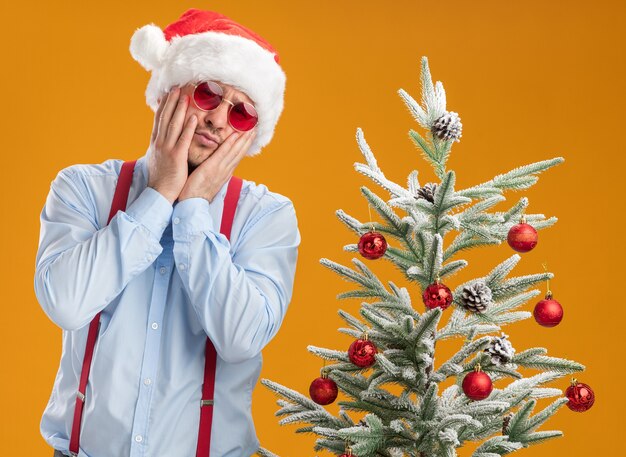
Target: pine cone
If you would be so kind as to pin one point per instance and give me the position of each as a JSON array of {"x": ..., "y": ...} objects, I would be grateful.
[
  {"x": 427, "y": 192},
  {"x": 501, "y": 350},
  {"x": 505, "y": 423},
  {"x": 448, "y": 126},
  {"x": 476, "y": 297}
]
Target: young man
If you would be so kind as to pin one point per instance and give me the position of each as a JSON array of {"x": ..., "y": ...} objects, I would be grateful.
[{"x": 160, "y": 273}]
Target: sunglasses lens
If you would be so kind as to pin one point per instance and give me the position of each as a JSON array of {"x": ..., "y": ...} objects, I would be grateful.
[
  {"x": 243, "y": 116},
  {"x": 208, "y": 95}
]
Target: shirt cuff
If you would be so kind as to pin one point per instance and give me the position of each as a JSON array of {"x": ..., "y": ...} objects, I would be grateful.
[
  {"x": 152, "y": 210},
  {"x": 191, "y": 216}
]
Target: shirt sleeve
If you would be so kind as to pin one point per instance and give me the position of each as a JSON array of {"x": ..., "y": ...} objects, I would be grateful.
[
  {"x": 240, "y": 299},
  {"x": 81, "y": 268}
]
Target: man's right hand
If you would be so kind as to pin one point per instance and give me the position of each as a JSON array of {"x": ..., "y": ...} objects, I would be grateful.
[{"x": 169, "y": 145}]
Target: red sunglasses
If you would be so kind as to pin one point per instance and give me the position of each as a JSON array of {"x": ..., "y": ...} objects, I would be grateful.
[{"x": 208, "y": 95}]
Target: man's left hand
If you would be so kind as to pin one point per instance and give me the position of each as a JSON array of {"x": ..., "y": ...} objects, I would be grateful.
[{"x": 209, "y": 177}]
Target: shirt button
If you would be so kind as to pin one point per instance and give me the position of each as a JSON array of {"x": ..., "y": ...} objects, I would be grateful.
[
  {"x": 155, "y": 326},
  {"x": 147, "y": 381},
  {"x": 176, "y": 220},
  {"x": 163, "y": 270},
  {"x": 182, "y": 266},
  {"x": 139, "y": 438}
]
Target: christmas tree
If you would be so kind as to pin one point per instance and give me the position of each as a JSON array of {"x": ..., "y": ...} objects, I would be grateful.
[{"x": 388, "y": 376}]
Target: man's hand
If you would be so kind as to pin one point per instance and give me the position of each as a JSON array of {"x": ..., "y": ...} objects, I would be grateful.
[
  {"x": 169, "y": 146},
  {"x": 209, "y": 177}
]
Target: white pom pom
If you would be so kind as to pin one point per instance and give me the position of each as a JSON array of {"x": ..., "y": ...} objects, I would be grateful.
[{"x": 148, "y": 46}]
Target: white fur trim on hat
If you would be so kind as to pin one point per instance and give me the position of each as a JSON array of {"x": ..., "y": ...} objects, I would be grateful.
[{"x": 231, "y": 59}]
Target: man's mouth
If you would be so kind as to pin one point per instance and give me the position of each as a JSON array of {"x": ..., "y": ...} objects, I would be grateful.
[{"x": 206, "y": 139}]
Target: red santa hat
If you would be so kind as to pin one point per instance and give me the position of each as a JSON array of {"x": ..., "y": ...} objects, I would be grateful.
[{"x": 205, "y": 45}]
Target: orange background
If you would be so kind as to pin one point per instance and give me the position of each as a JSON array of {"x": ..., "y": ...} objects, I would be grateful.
[{"x": 531, "y": 80}]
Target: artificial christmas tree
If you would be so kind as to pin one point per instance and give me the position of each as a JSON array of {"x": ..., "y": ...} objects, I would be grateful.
[{"x": 401, "y": 402}]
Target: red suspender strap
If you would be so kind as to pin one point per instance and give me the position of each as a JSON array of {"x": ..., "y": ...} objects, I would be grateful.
[
  {"x": 230, "y": 205},
  {"x": 119, "y": 203},
  {"x": 208, "y": 388}
]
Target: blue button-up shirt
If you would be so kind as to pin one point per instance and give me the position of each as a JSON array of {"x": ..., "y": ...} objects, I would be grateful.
[{"x": 164, "y": 278}]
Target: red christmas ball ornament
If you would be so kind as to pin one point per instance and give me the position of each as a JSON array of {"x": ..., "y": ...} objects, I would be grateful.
[
  {"x": 522, "y": 237},
  {"x": 437, "y": 295},
  {"x": 477, "y": 385},
  {"x": 323, "y": 390},
  {"x": 548, "y": 312},
  {"x": 362, "y": 352},
  {"x": 580, "y": 396},
  {"x": 372, "y": 245}
]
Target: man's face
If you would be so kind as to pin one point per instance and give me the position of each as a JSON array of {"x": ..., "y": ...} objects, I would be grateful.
[{"x": 212, "y": 123}]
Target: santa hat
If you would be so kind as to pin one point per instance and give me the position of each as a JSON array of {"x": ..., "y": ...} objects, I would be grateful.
[{"x": 205, "y": 45}]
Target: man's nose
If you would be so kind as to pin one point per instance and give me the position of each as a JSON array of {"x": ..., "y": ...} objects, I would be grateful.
[{"x": 219, "y": 116}]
